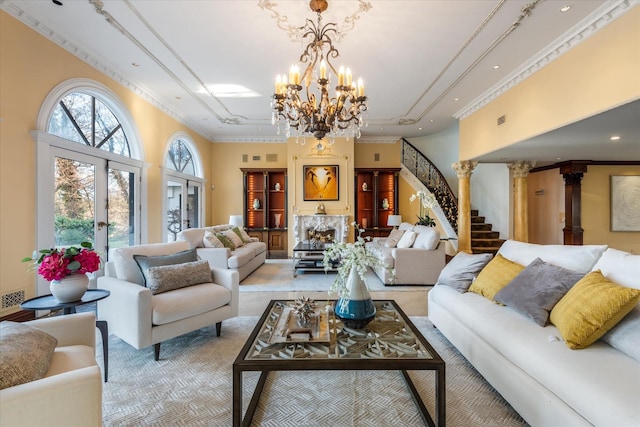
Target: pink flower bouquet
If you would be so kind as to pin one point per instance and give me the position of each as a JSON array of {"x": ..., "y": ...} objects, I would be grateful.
[{"x": 56, "y": 264}]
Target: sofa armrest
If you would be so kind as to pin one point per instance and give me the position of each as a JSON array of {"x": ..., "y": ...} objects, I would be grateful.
[
  {"x": 72, "y": 329},
  {"x": 216, "y": 257},
  {"x": 70, "y": 398},
  {"x": 230, "y": 279},
  {"x": 128, "y": 310},
  {"x": 431, "y": 263}
]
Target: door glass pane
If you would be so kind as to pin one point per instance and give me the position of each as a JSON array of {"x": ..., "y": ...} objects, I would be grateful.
[
  {"x": 193, "y": 207},
  {"x": 121, "y": 209},
  {"x": 74, "y": 200},
  {"x": 174, "y": 210}
]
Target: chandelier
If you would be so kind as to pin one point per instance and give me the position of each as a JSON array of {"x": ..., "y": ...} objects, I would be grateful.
[{"x": 319, "y": 114}]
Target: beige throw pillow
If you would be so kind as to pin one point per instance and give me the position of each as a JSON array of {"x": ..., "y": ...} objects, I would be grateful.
[
  {"x": 242, "y": 234},
  {"x": 233, "y": 237},
  {"x": 211, "y": 241},
  {"x": 394, "y": 238},
  {"x": 407, "y": 239}
]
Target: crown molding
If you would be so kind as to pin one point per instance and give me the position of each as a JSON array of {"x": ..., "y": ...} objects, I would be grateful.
[
  {"x": 601, "y": 17},
  {"x": 378, "y": 139},
  {"x": 19, "y": 14}
]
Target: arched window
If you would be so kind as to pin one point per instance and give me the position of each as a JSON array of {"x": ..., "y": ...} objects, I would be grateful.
[
  {"x": 88, "y": 176},
  {"x": 183, "y": 183},
  {"x": 83, "y": 118}
]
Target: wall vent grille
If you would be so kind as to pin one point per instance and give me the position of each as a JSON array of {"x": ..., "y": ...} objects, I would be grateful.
[
  {"x": 245, "y": 158},
  {"x": 272, "y": 157},
  {"x": 12, "y": 299}
]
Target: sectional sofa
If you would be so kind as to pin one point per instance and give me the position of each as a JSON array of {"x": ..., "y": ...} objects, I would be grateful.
[
  {"x": 531, "y": 366},
  {"x": 245, "y": 257}
]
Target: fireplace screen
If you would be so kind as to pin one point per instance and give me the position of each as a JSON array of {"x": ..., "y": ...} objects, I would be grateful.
[{"x": 325, "y": 236}]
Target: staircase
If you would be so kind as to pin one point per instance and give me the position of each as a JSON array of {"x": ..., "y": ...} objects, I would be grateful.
[{"x": 483, "y": 239}]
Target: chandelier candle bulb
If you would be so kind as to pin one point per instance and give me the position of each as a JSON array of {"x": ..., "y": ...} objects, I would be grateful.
[
  {"x": 323, "y": 69},
  {"x": 341, "y": 76},
  {"x": 349, "y": 77},
  {"x": 360, "y": 88}
]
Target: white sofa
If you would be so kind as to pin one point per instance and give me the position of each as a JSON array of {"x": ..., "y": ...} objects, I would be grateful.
[
  {"x": 71, "y": 391},
  {"x": 141, "y": 318},
  {"x": 418, "y": 264},
  {"x": 244, "y": 259},
  {"x": 547, "y": 383}
]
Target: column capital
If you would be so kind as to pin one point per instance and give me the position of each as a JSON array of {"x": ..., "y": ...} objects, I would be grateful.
[
  {"x": 521, "y": 168},
  {"x": 464, "y": 168}
]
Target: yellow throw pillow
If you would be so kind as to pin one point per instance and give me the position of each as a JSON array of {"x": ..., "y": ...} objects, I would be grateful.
[
  {"x": 592, "y": 306},
  {"x": 494, "y": 276}
]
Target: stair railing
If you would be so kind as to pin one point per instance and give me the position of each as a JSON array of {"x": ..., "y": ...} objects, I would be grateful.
[{"x": 420, "y": 166}]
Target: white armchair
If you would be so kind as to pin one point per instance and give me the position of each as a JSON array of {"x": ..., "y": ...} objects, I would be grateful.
[
  {"x": 142, "y": 318},
  {"x": 71, "y": 391}
]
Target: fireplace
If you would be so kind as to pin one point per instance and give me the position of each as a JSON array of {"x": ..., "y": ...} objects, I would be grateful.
[
  {"x": 321, "y": 234},
  {"x": 337, "y": 224}
]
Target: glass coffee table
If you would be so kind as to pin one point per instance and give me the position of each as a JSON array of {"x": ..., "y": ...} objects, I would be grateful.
[
  {"x": 389, "y": 342},
  {"x": 308, "y": 256}
]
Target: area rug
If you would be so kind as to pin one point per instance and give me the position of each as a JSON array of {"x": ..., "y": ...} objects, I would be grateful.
[
  {"x": 191, "y": 385},
  {"x": 277, "y": 275}
]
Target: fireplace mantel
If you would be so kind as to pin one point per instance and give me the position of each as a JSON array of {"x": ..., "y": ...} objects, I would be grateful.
[{"x": 301, "y": 223}]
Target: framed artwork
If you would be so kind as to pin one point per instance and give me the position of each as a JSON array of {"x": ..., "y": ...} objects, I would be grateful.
[
  {"x": 321, "y": 182},
  {"x": 625, "y": 202}
]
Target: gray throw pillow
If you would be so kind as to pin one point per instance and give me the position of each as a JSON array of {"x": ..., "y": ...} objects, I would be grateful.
[
  {"x": 145, "y": 262},
  {"x": 170, "y": 277},
  {"x": 625, "y": 336},
  {"x": 26, "y": 353},
  {"x": 462, "y": 270},
  {"x": 537, "y": 289}
]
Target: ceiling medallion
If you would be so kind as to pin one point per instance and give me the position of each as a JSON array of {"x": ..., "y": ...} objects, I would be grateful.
[{"x": 319, "y": 114}]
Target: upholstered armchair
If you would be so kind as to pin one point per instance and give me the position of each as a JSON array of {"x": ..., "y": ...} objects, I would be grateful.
[
  {"x": 70, "y": 393},
  {"x": 158, "y": 292}
]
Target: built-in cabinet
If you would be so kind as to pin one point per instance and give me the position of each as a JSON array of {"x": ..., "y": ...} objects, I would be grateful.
[
  {"x": 376, "y": 199},
  {"x": 265, "y": 208}
]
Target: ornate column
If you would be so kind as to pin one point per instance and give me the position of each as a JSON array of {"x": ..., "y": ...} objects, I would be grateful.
[
  {"x": 572, "y": 173},
  {"x": 520, "y": 172},
  {"x": 464, "y": 169}
]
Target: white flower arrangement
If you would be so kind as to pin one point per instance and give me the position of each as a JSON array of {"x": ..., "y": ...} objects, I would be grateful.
[
  {"x": 427, "y": 201},
  {"x": 350, "y": 255}
]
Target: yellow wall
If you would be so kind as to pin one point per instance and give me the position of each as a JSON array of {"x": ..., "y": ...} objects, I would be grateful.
[
  {"x": 226, "y": 160},
  {"x": 30, "y": 67},
  {"x": 546, "y": 210},
  {"x": 596, "y": 209},
  {"x": 596, "y": 75}
]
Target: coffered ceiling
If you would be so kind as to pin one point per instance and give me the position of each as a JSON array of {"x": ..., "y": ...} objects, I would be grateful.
[{"x": 424, "y": 63}]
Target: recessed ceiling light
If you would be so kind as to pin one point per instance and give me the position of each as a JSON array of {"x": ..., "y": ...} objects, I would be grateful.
[
  {"x": 431, "y": 120},
  {"x": 135, "y": 64},
  {"x": 419, "y": 128},
  {"x": 230, "y": 91},
  {"x": 178, "y": 97},
  {"x": 57, "y": 2},
  {"x": 565, "y": 8},
  {"x": 456, "y": 99},
  {"x": 495, "y": 67},
  {"x": 615, "y": 138}
]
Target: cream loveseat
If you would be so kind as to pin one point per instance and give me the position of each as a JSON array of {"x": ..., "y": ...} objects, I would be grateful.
[
  {"x": 70, "y": 393},
  {"x": 530, "y": 365},
  {"x": 414, "y": 254},
  {"x": 245, "y": 259},
  {"x": 190, "y": 294}
]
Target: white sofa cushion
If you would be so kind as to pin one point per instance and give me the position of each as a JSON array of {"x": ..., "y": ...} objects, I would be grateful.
[
  {"x": 188, "y": 302},
  {"x": 426, "y": 237},
  {"x": 407, "y": 239},
  {"x": 576, "y": 258}
]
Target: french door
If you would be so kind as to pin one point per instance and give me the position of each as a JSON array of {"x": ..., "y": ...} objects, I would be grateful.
[
  {"x": 183, "y": 205},
  {"x": 95, "y": 200}
]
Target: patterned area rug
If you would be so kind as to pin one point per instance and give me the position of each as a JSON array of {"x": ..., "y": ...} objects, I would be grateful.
[
  {"x": 191, "y": 385},
  {"x": 277, "y": 275}
]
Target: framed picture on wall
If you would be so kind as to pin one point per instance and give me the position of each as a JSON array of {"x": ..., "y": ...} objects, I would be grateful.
[
  {"x": 625, "y": 202},
  {"x": 321, "y": 182}
]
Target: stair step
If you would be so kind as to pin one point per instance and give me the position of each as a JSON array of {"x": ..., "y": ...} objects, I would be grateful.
[
  {"x": 481, "y": 227},
  {"x": 475, "y": 219},
  {"x": 484, "y": 234},
  {"x": 485, "y": 250},
  {"x": 487, "y": 243},
  {"x": 474, "y": 212}
]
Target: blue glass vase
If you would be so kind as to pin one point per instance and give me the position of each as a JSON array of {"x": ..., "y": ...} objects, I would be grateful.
[{"x": 355, "y": 309}]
